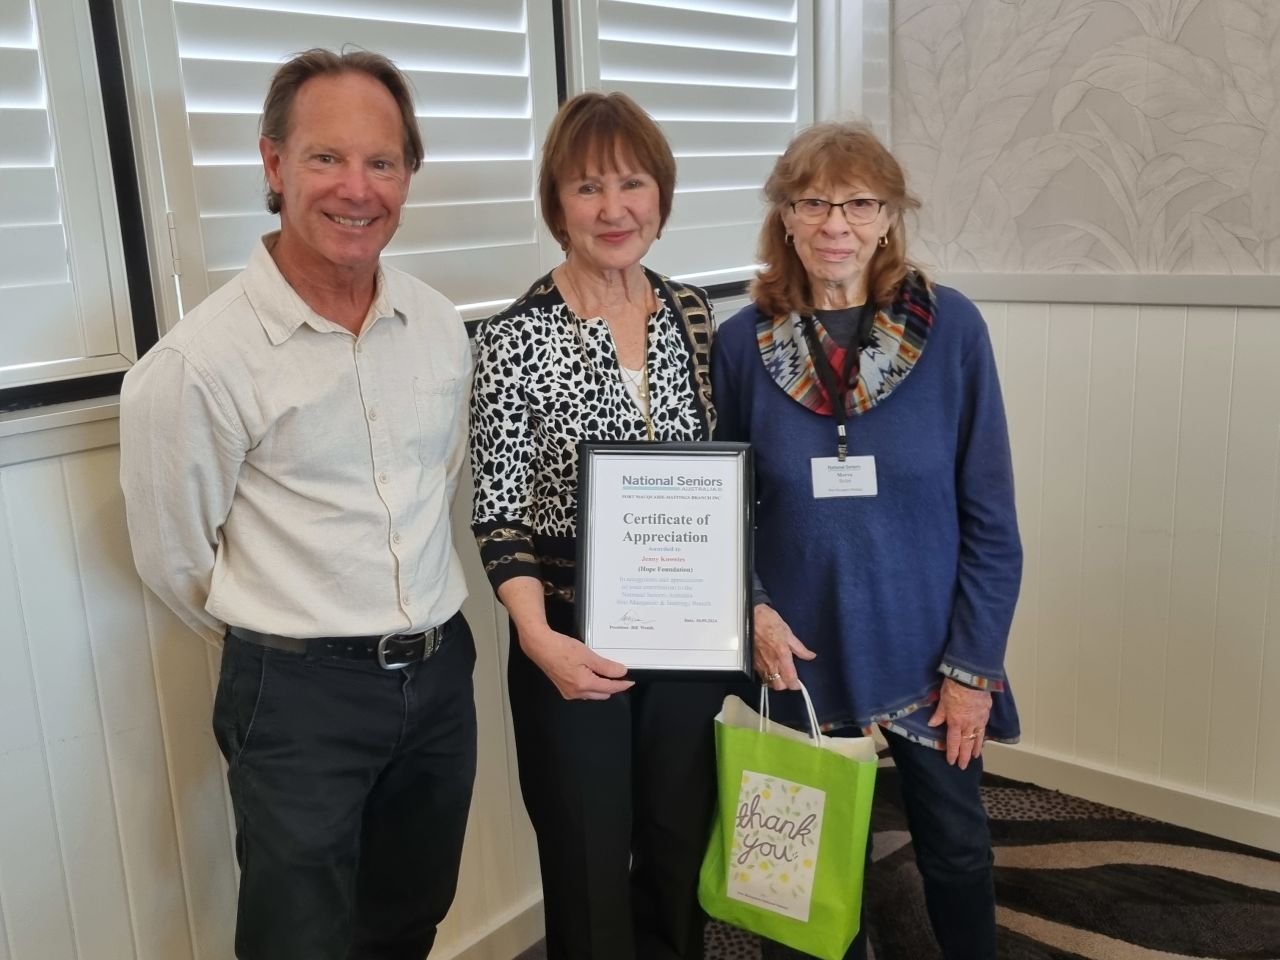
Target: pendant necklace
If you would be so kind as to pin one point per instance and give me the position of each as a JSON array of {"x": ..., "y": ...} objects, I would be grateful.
[{"x": 641, "y": 383}]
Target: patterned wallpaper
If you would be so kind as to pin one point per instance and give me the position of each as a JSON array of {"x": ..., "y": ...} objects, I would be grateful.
[{"x": 1095, "y": 136}]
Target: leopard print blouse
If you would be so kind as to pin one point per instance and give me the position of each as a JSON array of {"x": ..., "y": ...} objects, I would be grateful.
[{"x": 546, "y": 379}]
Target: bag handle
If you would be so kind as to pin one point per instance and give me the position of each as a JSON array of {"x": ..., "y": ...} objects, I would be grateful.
[{"x": 814, "y": 729}]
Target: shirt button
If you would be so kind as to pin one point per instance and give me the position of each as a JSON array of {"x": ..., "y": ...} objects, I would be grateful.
[
  {"x": 373, "y": 414},
  {"x": 383, "y": 478},
  {"x": 359, "y": 349},
  {"x": 395, "y": 538},
  {"x": 405, "y": 600}
]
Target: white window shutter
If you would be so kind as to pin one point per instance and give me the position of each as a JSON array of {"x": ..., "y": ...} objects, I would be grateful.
[
  {"x": 730, "y": 82},
  {"x": 63, "y": 301},
  {"x": 481, "y": 86}
]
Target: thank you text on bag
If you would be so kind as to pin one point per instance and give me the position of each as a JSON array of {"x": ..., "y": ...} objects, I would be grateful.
[{"x": 775, "y": 844}]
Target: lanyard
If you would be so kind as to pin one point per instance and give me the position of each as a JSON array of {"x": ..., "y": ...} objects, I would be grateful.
[{"x": 839, "y": 388}]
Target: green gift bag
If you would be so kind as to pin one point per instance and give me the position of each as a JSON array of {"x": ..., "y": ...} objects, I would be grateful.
[{"x": 788, "y": 845}]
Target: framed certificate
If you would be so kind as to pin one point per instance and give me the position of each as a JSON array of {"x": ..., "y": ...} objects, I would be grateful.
[{"x": 664, "y": 556}]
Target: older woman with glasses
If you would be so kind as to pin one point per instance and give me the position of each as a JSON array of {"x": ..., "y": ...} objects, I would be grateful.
[
  {"x": 618, "y": 777},
  {"x": 887, "y": 550}
]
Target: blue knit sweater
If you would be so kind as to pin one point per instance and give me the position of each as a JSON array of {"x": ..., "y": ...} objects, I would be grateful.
[{"x": 897, "y": 590}]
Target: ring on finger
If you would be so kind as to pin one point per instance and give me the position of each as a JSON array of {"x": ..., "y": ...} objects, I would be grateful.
[{"x": 773, "y": 677}]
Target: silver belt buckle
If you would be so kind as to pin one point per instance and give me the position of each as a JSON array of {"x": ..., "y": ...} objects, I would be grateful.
[
  {"x": 382, "y": 654},
  {"x": 430, "y": 644},
  {"x": 431, "y": 641}
]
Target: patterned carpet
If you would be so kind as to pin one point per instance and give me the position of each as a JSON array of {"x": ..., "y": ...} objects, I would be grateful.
[{"x": 1074, "y": 881}]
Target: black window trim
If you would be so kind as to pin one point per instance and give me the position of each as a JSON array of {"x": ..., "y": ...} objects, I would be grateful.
[{"x": 133, "y": 232}]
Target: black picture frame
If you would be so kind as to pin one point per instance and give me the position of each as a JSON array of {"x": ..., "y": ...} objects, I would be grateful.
[{"x": 589, "y": 593}]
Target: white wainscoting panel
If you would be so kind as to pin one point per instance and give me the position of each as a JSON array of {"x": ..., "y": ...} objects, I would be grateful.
[
  {"x": 116, "y": 838},
  {"x": 1146, "y": 447},
  {"x": 1148, "y": 580}
]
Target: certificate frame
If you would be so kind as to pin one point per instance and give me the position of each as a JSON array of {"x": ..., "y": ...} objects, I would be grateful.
[{"x": 643, "y": 575}]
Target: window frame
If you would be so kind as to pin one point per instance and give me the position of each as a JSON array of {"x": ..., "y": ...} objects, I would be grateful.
[
  {"x": 152, "y": 232},
  {"x": 197, "y": 264},
  {"x": 133, "y": 237},
  {"x": 583, "y": 26}
]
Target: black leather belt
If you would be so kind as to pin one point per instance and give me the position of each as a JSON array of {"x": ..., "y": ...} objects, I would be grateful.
[{"x": 391, "y": 652}]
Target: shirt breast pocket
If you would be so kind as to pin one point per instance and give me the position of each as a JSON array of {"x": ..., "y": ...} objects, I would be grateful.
[{"x": 439, "y": 417}]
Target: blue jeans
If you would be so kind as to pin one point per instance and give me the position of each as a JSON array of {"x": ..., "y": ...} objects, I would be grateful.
[{"x": 952, "y": 844}]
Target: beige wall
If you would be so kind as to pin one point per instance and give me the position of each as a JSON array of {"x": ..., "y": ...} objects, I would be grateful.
[
  {"x": 1063, "y": 136},
  {"x": 1126, "y": 146}
]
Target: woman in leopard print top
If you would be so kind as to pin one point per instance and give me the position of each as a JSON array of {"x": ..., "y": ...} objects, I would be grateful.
[{"x": 618, "y": 777}]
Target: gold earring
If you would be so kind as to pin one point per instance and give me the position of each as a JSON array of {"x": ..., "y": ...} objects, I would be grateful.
[
  {"x": 884, "y": 240},
  {"x": 787, "y": 240}
]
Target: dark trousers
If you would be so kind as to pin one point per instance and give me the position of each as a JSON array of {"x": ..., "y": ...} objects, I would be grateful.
[
  {"x": 952, "y": 844},
  {"x": 620, "y": 793},
  {"x": 351, "y": 786}
]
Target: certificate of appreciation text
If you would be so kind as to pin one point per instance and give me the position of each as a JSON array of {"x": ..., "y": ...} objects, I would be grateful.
[{"x": 664, "y": 551}]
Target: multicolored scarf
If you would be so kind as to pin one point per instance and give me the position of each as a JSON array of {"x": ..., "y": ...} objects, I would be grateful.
[{"x": 896, "y": 342}]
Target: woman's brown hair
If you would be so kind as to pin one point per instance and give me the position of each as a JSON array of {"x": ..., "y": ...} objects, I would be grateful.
[
  {"x": 830, "y": 155},
  {"x": 601, "y": 129}
]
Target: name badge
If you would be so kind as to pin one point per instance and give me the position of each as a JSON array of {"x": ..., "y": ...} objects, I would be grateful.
[{"x": 852, "y": 477}]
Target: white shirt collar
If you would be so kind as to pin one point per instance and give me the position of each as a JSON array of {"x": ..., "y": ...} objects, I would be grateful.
[{"x": 281, "y": 310}]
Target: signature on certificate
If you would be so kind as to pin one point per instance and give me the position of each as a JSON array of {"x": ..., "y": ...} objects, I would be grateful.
[{"x": 629, "y": 616}]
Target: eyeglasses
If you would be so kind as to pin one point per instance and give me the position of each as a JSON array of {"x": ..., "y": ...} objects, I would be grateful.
[{"x": 857, "y": 212}]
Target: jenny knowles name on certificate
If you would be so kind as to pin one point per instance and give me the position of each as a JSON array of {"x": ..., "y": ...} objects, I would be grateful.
[{"x": 663, "y": 568}]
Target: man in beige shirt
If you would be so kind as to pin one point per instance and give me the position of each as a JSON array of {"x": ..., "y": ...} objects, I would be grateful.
[{"x": 289, "y": 452}]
